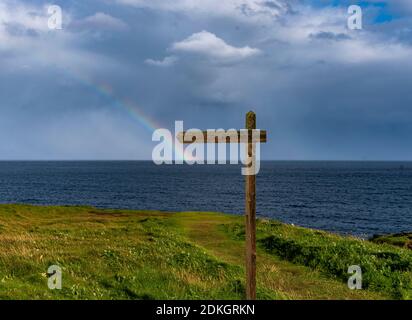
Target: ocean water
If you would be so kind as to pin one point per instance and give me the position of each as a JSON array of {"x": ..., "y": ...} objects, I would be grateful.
[{"x": 359, "y": 198}]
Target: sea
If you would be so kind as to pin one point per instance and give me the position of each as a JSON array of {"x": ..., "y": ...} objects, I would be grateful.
[{"x": 355, "y": 198}]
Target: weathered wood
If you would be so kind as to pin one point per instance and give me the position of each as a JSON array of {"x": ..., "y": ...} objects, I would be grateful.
[
  {"x": 240, "y": 136},
  {"x": 250, "y": 213},
  {"x": 224, "y": 137}
]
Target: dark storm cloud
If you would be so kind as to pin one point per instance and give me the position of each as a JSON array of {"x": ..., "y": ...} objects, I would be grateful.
[
  {"x": 18, "y": 30},
  {"x": 322, "y": 91},
  {"x": 329, "y": 36}
]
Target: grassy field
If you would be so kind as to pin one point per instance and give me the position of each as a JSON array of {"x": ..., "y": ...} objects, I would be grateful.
[
  {"x": 403, "y": 240},
  {"x": 107, "y": 254}
]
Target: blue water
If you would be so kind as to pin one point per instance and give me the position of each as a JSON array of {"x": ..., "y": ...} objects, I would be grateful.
[{"x": 360, "y": 198}]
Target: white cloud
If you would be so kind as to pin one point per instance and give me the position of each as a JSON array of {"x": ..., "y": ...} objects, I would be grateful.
[
  {"x": 241, "y": 9},
  {"x": 209, "y": 45},
  {"x": 100, "y": 20},
  {"x": 299, "y": 47},
  {"x": 29, "y": 44},
  {"x": 30, "y": 17},
  {"x": 18, "y": 21},
  {"x": 166, "y": 62}
]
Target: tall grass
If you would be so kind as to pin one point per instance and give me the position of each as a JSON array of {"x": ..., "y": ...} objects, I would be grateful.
[{"x": 384, "y": 268}]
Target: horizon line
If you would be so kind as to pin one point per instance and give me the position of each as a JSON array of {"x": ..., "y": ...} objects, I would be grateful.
[{"x": 262, "y": 160}]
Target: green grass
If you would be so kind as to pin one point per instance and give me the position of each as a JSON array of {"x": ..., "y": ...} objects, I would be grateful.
[
  {"x": 403, "y": 240},
  {"x": 385, "y": 268},
  {"x": 108, "y": 254}
]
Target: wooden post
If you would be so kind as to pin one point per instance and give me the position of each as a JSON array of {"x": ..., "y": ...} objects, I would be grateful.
[
  {"x": 250, "y": 190},
  {"x": 250, "y": 216}
]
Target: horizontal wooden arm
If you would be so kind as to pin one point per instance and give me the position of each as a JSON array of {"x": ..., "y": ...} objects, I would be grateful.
[{"x": 229, "y": 136}]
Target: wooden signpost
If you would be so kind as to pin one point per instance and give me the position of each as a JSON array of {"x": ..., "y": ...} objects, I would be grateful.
[{"x": 250, "y": 193}]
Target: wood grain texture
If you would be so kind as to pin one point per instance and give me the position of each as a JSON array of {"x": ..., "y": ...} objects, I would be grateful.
[{"x": 250, "y": 215}]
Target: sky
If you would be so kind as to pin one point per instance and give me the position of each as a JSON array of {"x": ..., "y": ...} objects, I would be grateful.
[{"x": 119, "y": 69}]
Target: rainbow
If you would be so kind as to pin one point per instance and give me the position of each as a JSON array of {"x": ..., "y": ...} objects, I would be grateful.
[{"x": 132, "y": 109}]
